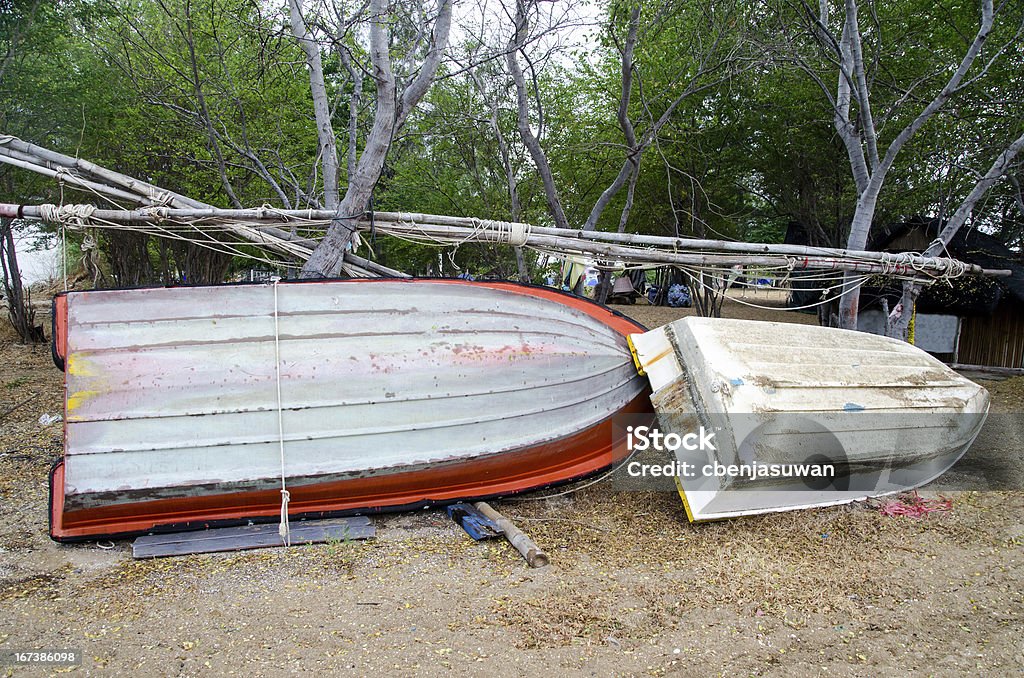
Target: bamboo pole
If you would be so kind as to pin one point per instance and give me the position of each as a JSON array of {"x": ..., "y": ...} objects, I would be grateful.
[
  {"x": 22, "y": 154},
  {"x": 624, "y": 247},
  {"x": 530, "y": 551},
  {"x": 374, "y": 268},
  {"x": 255, "y": 225},
  {"x": 77, "y": 181},
  {"x": 25, "y": 155},
  {"x": 884, "y": 264},
  {"x": 615, "y": 246},
  {"x": 283, "y": 242},
  {"x": 687, "y": 244},
  {"x": 130, "y": 184},
  {"x": 255, "y": 229}
]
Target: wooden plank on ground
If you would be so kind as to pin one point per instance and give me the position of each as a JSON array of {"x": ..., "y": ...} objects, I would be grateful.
[{"x": 251, "y": 537}]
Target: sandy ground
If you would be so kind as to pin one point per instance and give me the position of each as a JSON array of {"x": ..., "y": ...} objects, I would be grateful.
[{"x": 633, "y": 588}]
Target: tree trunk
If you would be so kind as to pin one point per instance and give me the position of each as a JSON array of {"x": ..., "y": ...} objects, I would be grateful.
[
  {"x": 19, "y": 301},
  {"x": 391, "y": 110},
  {"x": 128, "y": 254},
  {"x": 868, "y": 170},
  {"x": 522, "y": 268},
  {"x": 604, "y": 286},
  {"x": 899, "y": 326},
  {"x": 860, "y": 229},
  {"x": 510, "y": 177},
  {"x": 531, "y": 142},
  {"x": 200, "y": 265},
  {"x": 327, "y": 144}
]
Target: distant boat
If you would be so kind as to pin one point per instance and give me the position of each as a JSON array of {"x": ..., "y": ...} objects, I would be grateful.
[
  {"x": 802, "y": 415},
  {"x": 393, "y": 394}
]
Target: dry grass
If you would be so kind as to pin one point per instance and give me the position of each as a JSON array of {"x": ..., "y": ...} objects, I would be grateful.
[{"x": 633, "y": 587}]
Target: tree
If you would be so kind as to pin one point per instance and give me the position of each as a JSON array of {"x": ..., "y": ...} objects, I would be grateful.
[
  {"x": 89, "y": 86},
  {"x": 454, "y": 157},
  {"x": 505, "y": 154},
  {"x": 872, "y": 149},
  {"x": 703, "y": 33},
  {"x": 221, "y": 74},
  {"x": 21, "y": 25},
  {"x": 394, "y": 102},
  {"x": 19, "y": 301}
]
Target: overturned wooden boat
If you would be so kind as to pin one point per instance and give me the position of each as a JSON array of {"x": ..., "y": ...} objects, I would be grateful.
[
  {"x": 802, "y": 416},
  {"x": 391, "y": 394}
]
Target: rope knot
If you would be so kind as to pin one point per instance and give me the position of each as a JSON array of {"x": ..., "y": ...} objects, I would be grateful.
[
  {"x": 62, "y": 175},
  {"x": 283, "y": 529},
  {"x": 514, "y": 233},
  {"x": 157, "y": 212},
  {"x": 88, "y": 243},
  {"x": 162, "y": 199},
  {"x": 71, "y": 216}
]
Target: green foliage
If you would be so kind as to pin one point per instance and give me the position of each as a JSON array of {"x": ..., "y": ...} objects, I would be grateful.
[{"x": 212, "y": 100}]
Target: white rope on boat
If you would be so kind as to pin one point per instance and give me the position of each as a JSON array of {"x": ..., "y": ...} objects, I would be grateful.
[
  {"x": 64, "y": 255},
  {"x": 284, "y": 528},
  {"x": 577, "y": 488}
]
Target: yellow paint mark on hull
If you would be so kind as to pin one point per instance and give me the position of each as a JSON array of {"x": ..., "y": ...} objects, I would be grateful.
[
  {"x": 682, "y": 495},
  {"x": 78, "y": 398},
  {"x": 636, "y": 358},
  {"x": 78, "y": 366}
]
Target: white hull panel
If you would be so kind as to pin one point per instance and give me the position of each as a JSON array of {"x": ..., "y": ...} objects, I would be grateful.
[{"x": 884, "y": 415}]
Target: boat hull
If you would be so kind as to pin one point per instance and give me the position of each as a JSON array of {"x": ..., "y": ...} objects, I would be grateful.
[
  {"x": 393, "y": 394},
  {"x": 803, "y": 416}
]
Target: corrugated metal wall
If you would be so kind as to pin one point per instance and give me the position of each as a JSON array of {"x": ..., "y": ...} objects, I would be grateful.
[{"x": 996, "y": 341}]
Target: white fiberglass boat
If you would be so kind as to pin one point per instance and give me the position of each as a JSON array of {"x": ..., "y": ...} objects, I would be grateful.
[{"x": 802, "y": 415}]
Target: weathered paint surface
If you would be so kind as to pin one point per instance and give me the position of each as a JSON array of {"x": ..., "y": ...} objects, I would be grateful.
[
  {"x": 888, "y": 413},
  {"x": 172, "y": 392}
]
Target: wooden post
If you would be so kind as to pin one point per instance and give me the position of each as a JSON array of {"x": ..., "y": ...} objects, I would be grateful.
[{"x": 531, "y": 552}]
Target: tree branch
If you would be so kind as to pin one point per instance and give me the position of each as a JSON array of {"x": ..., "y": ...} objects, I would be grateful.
[
  {"x": 516, "y": 43},
  {"x": 328, "y": 150},
  {"x": 328, "y": 257},
  {"x": 995, "y": 173}
]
